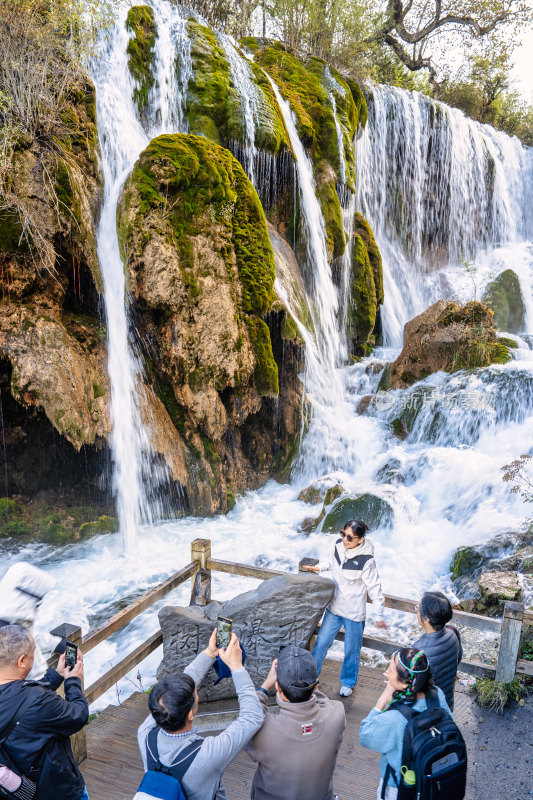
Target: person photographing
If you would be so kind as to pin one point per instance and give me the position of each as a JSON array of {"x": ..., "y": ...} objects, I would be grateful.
[{"x": 355, "y": 575}]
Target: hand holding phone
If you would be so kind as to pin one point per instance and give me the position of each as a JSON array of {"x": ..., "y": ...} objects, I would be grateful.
[
  {"x": 71, "y": 655},
  {"x": 224, "y": 627}
]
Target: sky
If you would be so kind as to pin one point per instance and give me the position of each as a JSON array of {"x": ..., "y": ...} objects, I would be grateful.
[{"x": 523, "y": 71}]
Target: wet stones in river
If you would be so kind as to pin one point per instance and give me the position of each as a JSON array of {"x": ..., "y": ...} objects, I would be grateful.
[{"x": 281, "y": 611}]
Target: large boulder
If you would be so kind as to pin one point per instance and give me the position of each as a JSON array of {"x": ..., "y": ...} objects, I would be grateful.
[
  {"x": 497, "y": 587},
  {"x": 369, "y": 507},
  {"x": 447, "y": 337},
  {"x": 504, "y": 296},
  {"x": 281, "y": 611}
]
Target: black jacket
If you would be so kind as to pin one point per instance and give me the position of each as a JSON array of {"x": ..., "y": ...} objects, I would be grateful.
[
  {"x": 444, "y": 651},
  {"x": 45, "y": 728}
]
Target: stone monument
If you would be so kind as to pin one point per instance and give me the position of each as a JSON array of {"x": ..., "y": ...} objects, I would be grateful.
[{"x": 281, "y": 611}]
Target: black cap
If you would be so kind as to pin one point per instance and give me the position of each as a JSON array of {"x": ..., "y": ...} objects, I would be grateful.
[{"x": 296, "y": 668}]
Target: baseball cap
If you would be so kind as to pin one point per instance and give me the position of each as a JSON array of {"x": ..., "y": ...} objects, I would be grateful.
[{"x": 296, "y": 668}]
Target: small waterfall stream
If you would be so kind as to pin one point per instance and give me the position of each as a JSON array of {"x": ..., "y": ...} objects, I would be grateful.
[{"x": 435, "y": 188}]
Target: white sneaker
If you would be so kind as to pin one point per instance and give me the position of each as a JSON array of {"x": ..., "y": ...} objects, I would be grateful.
[{"x": 345, "y": 691}]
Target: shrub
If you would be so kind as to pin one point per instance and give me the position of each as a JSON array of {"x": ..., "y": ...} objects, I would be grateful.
[{"x": 495, "y": 695}]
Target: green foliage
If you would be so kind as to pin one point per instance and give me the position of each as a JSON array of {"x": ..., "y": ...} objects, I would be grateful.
[
  {"x": 9, "y": 510},
  {"x": 19, "y": 528},
  {"x": 495, "y": 695},
  {"x": 266, "y": 369},
  {"x": 103, "y": 524},
  {"x": 141, "y": 51}
]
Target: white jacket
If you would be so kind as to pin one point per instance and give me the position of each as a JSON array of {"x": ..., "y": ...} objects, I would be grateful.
[
  {"x": 22, "y": 589},
  {"x": 355, "y": 574}
]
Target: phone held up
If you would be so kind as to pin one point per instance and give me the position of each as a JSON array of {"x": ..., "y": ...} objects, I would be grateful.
[
  {"x": 224, "y": 626},
  {"x": 71, "y": 654}
]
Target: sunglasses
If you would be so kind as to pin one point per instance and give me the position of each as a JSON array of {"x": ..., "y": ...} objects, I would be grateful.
[{"x": 347, "y": 536}]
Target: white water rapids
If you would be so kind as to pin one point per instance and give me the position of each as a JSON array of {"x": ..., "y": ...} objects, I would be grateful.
[{"x": 423, "y": 187}]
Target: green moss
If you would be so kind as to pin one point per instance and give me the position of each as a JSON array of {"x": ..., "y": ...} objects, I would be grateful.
[
  {"x": 9, "y": 510},
  {"x": 504, "y": 296},
  {"x": 332, "y": 494},
  {"x": 363, "y": 300},
  {"x": 331, "y": 208},
  {"x": 15, "y": 529},
  {"x": 98, "y": 390},
  {"x": 103, "y": 524},
  {"x": 368, "y": 507},
  {"x": 301, "y": 85},
  {"x": 364, "y": 230},
  {"x": 360, "y": 102},
  {"x": 266, "y": 370},
  {"x": 289, "y": 329},
  {"x": 499, "y": 353},
  {"x": 508, "y": 342},
  {"x": 465, "y": 561},
  {"x": 210, "y": 91},
  {"x": 230, "y": 500},
  {"x": 141, "y": 51}
]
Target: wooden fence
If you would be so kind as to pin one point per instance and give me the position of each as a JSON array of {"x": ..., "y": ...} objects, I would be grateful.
[{"x": 508, "y": 627}]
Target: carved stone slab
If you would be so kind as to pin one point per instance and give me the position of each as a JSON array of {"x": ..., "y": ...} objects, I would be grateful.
[{"x": 281, "y": 611}]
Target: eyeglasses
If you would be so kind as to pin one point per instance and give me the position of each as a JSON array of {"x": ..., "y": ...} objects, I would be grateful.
[
  {"x": 347, "y": 536},
  {"x": 417, "y": 608}
]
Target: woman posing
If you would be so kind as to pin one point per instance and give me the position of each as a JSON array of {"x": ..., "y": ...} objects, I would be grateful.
[{"x": 355, "y": 574}]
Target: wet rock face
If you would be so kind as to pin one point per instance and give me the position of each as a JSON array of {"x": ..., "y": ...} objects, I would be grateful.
[
  {"x": 447, "y": 337},
  {"x": 281, "y": 611},
  {"x": 201, "y": 269}
]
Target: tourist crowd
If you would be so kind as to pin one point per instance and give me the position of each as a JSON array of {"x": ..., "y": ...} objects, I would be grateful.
[{"x": 295, "y": 749}]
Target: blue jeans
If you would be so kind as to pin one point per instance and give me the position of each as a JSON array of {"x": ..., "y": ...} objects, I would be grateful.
[
  {"x": 353, "y": 641},
  {"x": 84, "y": 796}
]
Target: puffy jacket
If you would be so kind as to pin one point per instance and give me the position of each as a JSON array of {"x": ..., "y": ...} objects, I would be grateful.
[
  {"x": 444, "y": 651},
  {"x": 22, "y": 589},
  {"x": 355, "y": 574},
  {"x": 42, "y": 734}
]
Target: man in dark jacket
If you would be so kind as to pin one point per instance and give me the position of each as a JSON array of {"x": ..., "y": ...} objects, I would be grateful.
[
  {"x": 440, "y": 642},
  {"x": 41, "y": 737}
]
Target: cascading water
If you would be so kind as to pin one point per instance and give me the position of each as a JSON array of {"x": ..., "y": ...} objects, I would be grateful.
[
  {"x": 436, "y": 198},
  {"x": 122, "y": 138},
  {"x": 441, "y": 485}
]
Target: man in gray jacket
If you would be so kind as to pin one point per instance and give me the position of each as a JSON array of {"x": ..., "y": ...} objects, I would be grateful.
[
  {"x": 174, "y": 703},
  {"x": 296, "y": 750}
]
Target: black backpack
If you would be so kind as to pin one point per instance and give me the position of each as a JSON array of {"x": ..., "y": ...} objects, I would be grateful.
[
  {"x": 434, "y": 749},
  {"x": 28, "y": 784}
]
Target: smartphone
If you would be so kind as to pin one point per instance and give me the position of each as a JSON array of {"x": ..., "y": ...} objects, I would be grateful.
[
  {"x": 224, "y": 626},
  {"x": 71, "y": 654}
]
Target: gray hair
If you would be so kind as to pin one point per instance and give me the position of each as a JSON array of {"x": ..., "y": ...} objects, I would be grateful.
[{"x": 15, "y": 641}]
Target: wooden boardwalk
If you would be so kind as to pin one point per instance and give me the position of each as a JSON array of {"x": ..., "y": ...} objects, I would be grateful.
[{"x": 113, "y": 768}]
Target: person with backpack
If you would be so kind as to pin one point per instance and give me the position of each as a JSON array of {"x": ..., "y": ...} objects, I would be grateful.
[
  {"x": 35, "y": 723},
  {"x": 296, "y": 750},
  {"x": 440, "y": 642},
  {"x": 355, "y": 575},
  {"x": 423, "y": 753},
  {"x": 169, "y": 741}
]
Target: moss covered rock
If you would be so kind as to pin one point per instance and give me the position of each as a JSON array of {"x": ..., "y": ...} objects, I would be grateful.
[
  {"x": 371, "y": 509},
  {"x": 103, "y": 524},
  {"x": 447, "y": 337},
  {"x": 504, "y": 296},
  {"x": 141, "y": 52},
  {"x": 305, "y": 87},
  {"x": 201, "y": 269},
  {"x": 366, "y": 288}
]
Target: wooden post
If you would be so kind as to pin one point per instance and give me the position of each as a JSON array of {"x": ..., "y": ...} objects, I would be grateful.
[
  {"x": 201, "y": 589},
  {"x": 513, "y": 615}
]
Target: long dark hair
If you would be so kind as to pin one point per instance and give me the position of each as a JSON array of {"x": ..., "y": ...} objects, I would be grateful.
[{"x": 413, "y": 668}]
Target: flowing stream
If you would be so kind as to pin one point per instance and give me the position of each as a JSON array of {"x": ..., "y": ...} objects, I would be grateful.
[{"x": 437, "y": 190}]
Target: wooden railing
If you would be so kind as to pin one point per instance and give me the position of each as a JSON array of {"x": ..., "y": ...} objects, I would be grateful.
[{"x": 508, "y": 627}]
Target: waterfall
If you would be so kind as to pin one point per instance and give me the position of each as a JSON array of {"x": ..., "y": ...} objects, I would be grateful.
[
  {"x": 331, "y": 86},
  {"x": 436, "y": 197},
  {"x": 247, "y": 91},
  {"x": 122, "y": 139}
]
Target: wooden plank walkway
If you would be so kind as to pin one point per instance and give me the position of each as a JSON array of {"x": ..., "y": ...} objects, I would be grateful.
[{"x": 113, "y": 768}]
